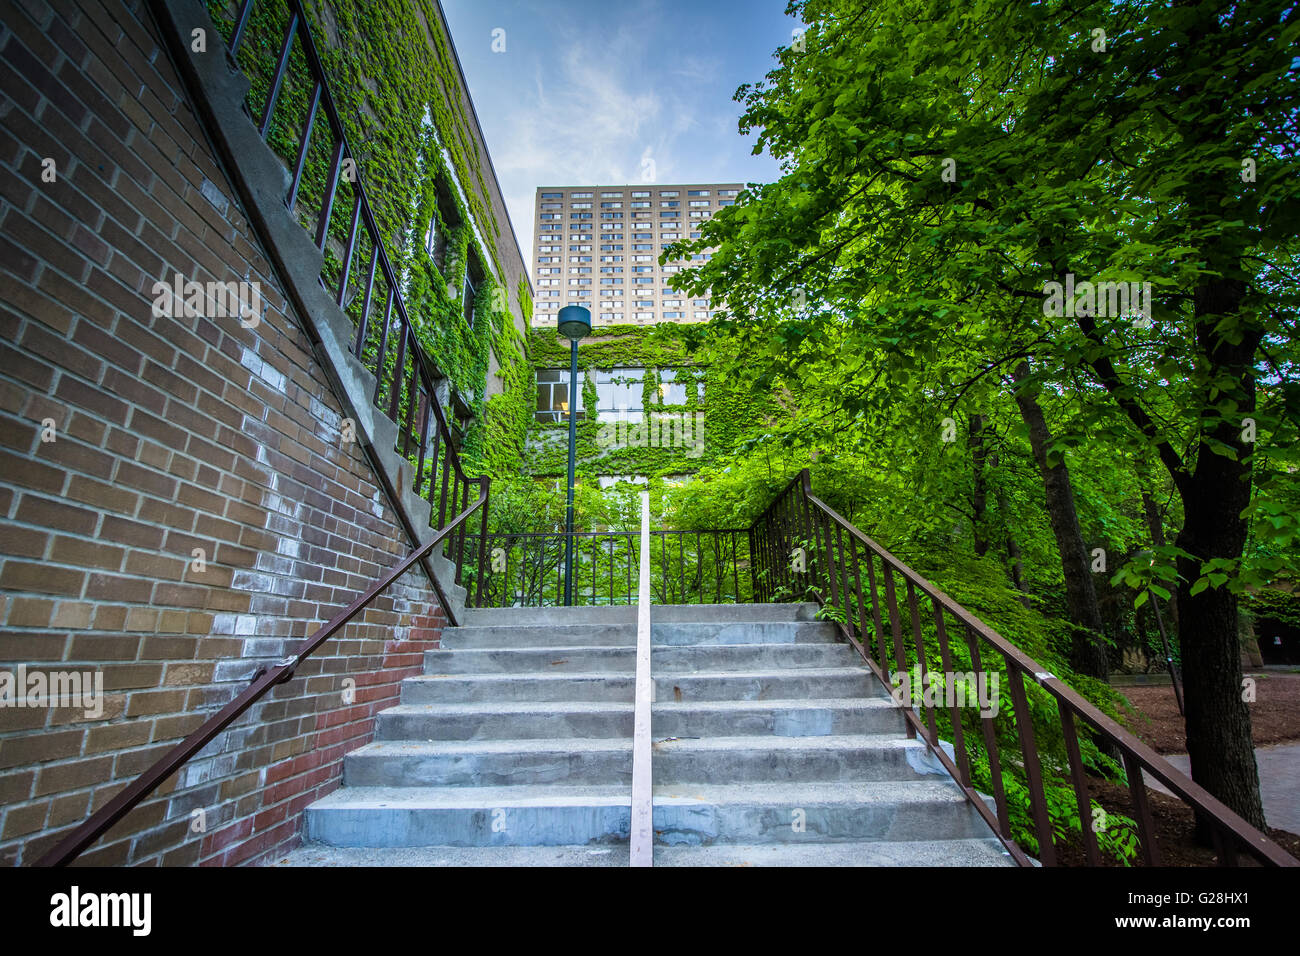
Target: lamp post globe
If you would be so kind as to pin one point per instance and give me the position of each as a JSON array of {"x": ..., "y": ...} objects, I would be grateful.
[{"x": 574, "y": 322}]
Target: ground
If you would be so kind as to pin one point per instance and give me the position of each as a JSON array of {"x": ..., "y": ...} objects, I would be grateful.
[
  {"x": 1274, "y": 716},
  {"x": 1275, "y": 719}
]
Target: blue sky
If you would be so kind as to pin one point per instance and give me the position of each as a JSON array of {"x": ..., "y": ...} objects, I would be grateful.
[{"x": 568, "y": 103}]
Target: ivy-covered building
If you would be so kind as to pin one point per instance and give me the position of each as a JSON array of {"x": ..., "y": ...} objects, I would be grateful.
[{"x": 647, "y": 408}]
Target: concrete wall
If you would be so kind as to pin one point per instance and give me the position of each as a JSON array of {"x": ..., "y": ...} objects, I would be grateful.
[{"x": 170, "y": 434}]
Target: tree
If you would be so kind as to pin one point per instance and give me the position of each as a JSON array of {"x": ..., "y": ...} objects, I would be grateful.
[{"x": 942, "y": 165}]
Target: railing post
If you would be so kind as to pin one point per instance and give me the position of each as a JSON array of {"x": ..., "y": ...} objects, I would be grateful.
[{"x": 485, "y": 485}]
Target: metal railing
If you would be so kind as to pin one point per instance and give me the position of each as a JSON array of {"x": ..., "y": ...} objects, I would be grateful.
[
  {"x": 385, "y": 340},
  {"x": 687, "y": 567},
  {"x": 71, "y": 846},
  {"x": 880, "y": 606}
]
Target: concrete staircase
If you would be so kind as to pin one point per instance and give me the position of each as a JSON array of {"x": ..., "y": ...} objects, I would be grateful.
[{"x": 773, "y": 746}]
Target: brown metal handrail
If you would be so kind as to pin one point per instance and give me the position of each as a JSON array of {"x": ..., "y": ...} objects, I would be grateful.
[
  {"x": 797, "y": 515},
  {"x": 71, "y": 846}
]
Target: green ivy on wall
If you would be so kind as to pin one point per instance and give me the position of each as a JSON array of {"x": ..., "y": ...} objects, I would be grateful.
[
  {"x": 397, "y": 88},
  {"x": 726, "y": 409}
]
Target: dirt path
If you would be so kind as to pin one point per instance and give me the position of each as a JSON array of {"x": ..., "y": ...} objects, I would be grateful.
[{"x": 1274, "y": 716}]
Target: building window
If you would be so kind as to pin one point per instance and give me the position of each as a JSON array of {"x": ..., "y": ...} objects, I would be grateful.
[
  {"x": 640, "y": 195},
  {"x": 473, "y": 279},
  {"x": 697, "y": 192},
  {"x": 670, "y": 194},
  {"x": 618, "y": 393},
  {"x": 611, "y": 195},
  {"x": 673, "y": 392},
  {"x": 580, "y": 196},
  {"x": 552, "y": 195},
  {"x": 609, "y": 481},
  {"x": 553, "y": 395}
]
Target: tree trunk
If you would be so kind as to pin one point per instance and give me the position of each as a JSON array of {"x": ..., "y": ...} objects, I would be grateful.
[
  {"x": 1087, "y": 648},
  {"x": 1214, "y": 496},
  {"x": 1014, "y": 559},
  {"x": 979, "y": 496}
]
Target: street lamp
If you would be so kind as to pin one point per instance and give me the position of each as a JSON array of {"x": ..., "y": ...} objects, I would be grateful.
[{"x": 573, "y": 323}]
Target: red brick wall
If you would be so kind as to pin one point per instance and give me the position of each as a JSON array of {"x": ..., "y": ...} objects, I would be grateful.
[{"x": 171, "y": 434}]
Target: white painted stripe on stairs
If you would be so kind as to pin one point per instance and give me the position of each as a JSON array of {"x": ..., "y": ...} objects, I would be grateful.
[{"x": 642, "y": 829}]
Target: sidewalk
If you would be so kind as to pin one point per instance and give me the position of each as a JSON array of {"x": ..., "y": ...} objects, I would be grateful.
[{"x": 1279, "y": 782}]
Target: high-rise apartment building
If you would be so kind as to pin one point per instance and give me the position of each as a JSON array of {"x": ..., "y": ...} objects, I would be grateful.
[{"x": 599, "y": 246}]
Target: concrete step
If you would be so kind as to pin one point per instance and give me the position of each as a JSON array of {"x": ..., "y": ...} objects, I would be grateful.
[
  {"x": 697, "y": 633},
  {"x": 626, "y": 614},
  {"x": 518, "y": 687},
  {"x": 490, "y": 763},
  {"x": 665, "y": 660},
  {"x": 476, "y": 636},
  {"x": 738, "y": 760},
  {"x": 970, "y": 852},
  {"x": 318, "y": 854},
  {"x": 772, "y": 684},
  {"x": 500, "y": 636},
  {"x": 785, "y": 718},
  {"x": 505, "y": 720},
  {"x": 898, "y": 853},
  {"x": 807, "y": 813},
  {"x": 470, "y": 816}
]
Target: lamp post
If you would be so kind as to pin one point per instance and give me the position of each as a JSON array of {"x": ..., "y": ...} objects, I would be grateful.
[{"x": 573, "y": 323}]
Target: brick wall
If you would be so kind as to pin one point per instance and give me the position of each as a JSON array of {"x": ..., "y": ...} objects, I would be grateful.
[{"x": 169, "y": 435}]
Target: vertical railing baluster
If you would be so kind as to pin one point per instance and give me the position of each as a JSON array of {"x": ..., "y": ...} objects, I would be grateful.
[
  {"x": 460, "y": 532},
  {"x": 954, "y": 713},
  {"x": 1033, "y": 772},
  {"x": 735, "y": 565},
  {"x": 862, "y": 606},
  {"x": 485, "y": 486},
  {"x": 303, "y": 143},
  {"x": 331, "y": 189},
  {"x": 922, "y": 661},
  {"x": 362, "y": 325},
  {"x": 1142, "y": 810},
  {"x": 351, "y": 247},
  {"x": 448, "y": 467},
  {"x": 424, "y": 444},
  {"x": 1079, "y": 778},
  {"x": 281, "y": 67},
  {"x": 383, "y": 350},
  {"x": 240, "y": 23},
  {"x": 753, "y": 568},
  {"x": 883, "y": 652},
  {"x": 412, "y": 397},
  {"x": 832, "y": 568},
  {"x": 991, "y": 745},
  {"x": 895, "y": 624}
]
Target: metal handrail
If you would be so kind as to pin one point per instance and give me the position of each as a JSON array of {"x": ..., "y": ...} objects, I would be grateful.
[
  {"x": 797, "y": 511},
  {"x": 71, "y": 846}
]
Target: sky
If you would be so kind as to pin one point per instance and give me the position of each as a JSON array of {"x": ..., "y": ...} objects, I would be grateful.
[{"x": 569, "y": 103}]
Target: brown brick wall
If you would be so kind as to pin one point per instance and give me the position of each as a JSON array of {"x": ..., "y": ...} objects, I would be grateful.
[{"x": 171, "y": 434}]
